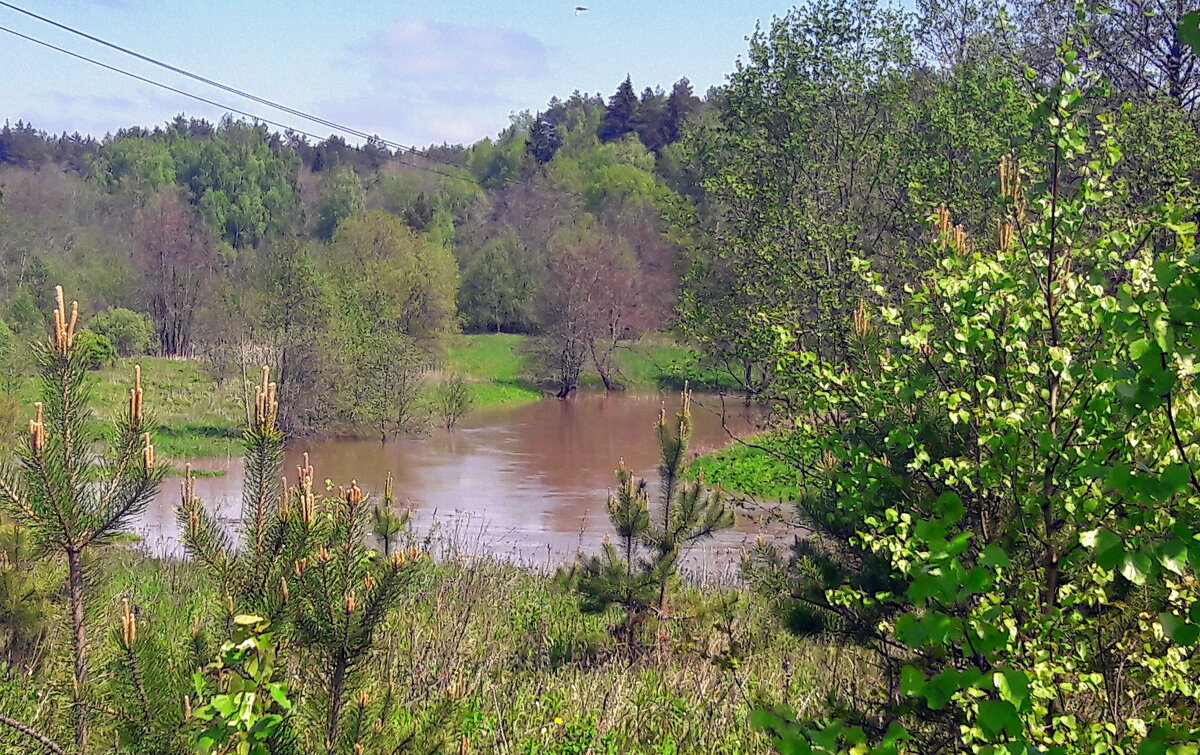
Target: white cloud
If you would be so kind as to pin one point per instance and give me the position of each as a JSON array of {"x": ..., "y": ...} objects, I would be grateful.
[
  {"x": 433, "y": 82},
  {"x": 417, "y": 49}
]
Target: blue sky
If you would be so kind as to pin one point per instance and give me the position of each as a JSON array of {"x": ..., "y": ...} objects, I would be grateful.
[{"x": 413, "y": 72}]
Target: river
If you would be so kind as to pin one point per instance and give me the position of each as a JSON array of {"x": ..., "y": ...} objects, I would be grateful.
[{"x": 528, "y": 483}]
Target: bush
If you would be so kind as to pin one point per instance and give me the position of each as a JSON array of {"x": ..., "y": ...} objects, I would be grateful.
[
  {"x": 131, "y": 333},
  {"x": 1004, "y": 487},
  {"x": 99, "y": 349}
]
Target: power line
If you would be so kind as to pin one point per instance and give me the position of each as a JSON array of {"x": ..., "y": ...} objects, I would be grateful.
[
  {"x": 229, "y": 108},
  {"x": 205, "y": 80}
]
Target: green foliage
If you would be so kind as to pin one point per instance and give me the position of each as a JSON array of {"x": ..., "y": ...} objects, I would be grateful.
[
  {"x": 244, "y": 189},
  {"x": 1007, "y": 462},
  {"x": 761, "y": 465},
  {"x": 452, "y": 400},
  {"x": 498, "y": 287},
  {"x": 619, "y": 117},
  {"x": 495, "y": 163},
  {"x": 388, "y": 525},
  {"x": 825, "y": 140},
  {"x": 394, "y": 278},
  {"x": 24, "y": 317},
  {"x": 303, "y": 565},
  {"x": 131, "y": 333},
  {"x": 25, "y": 599},
  {"x": 132, "y": 160},
  {"x": 70, "y": 495},
  {"x": 97, "y": 350},
  {"x": 245, "y": 706},
  {"x": 342, "y": 196}
]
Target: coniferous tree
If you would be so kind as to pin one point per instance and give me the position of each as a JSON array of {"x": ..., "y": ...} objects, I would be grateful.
[
  {"x": 69, "y": 498},
  {"x": 345, "y": 593},
  {"x": 302, "y": 563},
  {"x": 680, "y": 105},
  {"x": 650, "y": 120},
  {"x": 545, "y": 138},
  {"x": 638, "y": 571},
  {"x": 387, "y": 525},
  {"x": 618, "y": 117}
]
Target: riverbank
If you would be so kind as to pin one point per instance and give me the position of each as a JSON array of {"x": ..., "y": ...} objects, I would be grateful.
[
  {"x": 499, "y": 371},
  {"x": 196, "y": 416},
  {"x": 757, "y": 465}
]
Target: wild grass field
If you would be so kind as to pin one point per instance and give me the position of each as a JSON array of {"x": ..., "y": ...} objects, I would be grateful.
[
  {"x": 483, "y": 657},
  {"x": 196, "y": 416}
]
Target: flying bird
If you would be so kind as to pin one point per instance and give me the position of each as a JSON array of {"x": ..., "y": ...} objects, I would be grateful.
[{"x": 580, "y": 10}]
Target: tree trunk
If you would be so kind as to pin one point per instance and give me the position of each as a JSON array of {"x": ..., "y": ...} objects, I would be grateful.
[
  {"x": 606, "y": 379},
  {"x": 337, "y": 688},
  {"x": 75, "y": 588}
]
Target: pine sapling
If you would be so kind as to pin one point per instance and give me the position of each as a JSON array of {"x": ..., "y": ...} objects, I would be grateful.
[
  {"x": 277, "y": 522},
  {"x": 637, "y": 572},
  {"x": 343, "y": 595},
  {"x": 301, "y": 562},
  {"x": 69, "y": 494}
]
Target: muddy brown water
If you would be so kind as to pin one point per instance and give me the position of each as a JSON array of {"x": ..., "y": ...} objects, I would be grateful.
[{"x": 527, "y": 483}]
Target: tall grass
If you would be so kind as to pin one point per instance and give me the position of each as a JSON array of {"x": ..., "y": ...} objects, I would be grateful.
[{"x": 489, "y": 657}]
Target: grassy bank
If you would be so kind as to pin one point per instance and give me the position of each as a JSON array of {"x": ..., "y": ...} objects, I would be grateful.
[
  {"x": 482, "y": 657},
  {"x": 196, "y": 416},
  {"x": 757, "y": 466},
  {"x": 500, "y": 372},
  {"x": 495, "y": 366}
]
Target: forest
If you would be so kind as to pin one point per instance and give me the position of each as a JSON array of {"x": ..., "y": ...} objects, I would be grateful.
[{"x": 947, "y": 255}]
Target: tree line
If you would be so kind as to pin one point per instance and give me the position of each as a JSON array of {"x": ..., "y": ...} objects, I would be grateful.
[{"x": 561, "y": 227}]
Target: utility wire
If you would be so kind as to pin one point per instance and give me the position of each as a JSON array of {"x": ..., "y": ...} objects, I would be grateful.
[
  {"x": 394, "y": 157},
  {"x": 232, "y": 90}
]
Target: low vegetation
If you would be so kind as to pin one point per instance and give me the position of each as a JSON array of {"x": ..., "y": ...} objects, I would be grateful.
[
  {"x": 763, "y": 466},
  {"x": 196, "y": 417}
]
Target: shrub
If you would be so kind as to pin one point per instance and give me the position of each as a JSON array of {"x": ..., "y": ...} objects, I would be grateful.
[
  {"x": 131, "y": 332},
  {"x": 1006, "y": 493},
  {"x": 452, "y": 400},
  {"x": 97, "y": 350}
]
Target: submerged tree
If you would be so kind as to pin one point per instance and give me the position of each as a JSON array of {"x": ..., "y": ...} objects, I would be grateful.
[
  {"x": 638, "y": 571},
  {"x": 452, "y": 400},
  {"x": 68, "y": 494}
]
